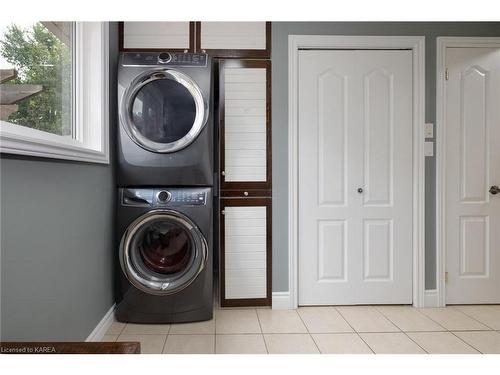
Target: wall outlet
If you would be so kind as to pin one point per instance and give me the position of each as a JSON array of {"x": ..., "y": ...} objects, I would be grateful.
[
  {"x": 429, "y": 130},
  {"x": 429, "y": 148}
]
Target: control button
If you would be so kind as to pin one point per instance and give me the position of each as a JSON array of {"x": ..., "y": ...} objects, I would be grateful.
[
  {"x": 164, "y": 57},
  {"x": 163, "y": 196}
]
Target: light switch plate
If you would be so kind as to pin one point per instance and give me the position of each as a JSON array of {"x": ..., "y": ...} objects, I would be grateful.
[
  {"x": 429, "y": 148},
  {"x": 429, "y": 130}
]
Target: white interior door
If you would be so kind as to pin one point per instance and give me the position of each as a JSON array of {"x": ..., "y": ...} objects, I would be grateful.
[
  {"x": 472, "y": 123},
  {"x": 355, "y": 177}
]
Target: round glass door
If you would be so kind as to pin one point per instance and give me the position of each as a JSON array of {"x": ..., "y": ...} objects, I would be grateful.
[
  {"x": 165, "y": 247},
  {"x": 163, "y": 111},
  {"x": 162, "y": 252}
]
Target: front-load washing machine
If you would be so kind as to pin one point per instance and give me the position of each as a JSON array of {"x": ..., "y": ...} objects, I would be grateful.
[
  {"x": 164, "y": 266},
  {"x": 166, "y": 130}
]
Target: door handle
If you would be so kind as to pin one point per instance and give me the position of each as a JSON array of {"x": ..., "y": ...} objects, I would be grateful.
[
  {"x": 494, "y": 190},
  {"x": 360, "y": 190}
]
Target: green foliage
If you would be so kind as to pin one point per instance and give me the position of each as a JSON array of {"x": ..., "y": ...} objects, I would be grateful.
[{"x": 40, "y": 58}]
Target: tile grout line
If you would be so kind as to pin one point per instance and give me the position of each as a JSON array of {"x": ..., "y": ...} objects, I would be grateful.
[
  {"x": 344, "y": 319},
  {"x": 449, "y": 330},
  {"x": 262, "y": 332},
  {"x": 435, "y": 321},
  {"x": 466, "y": 343},
  {"x": 164, "y": 344},
  {"x": 354, "y": 330},
  {"x": 121, "y": 331},
  {"x": 307, "y": 329},
  {"x": 470, "y": 316},
  {"x": 416, "y": 343},
  {"x": 386, "y": 318},
  {"x": 166, "y": 338},
  {"x": 402, "y": 331}
]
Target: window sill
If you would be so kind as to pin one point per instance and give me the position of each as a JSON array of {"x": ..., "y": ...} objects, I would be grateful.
[
  {"x": 92, "y": 107},
  {"x": 20, "y": 140}
]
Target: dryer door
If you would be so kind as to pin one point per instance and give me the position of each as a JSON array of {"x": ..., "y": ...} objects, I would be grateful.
[
  {"x": 162, "y": 252},
  {"x": 163, "y": 110}
]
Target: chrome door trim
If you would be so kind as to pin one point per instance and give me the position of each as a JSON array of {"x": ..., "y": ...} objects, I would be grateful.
[
  {"x": 153, "y": 75},
  {"x": 156, "y": 285}
]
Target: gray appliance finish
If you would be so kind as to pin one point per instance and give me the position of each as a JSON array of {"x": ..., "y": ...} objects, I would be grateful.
[
  {"x": 165, "y": 107},
  {"x": 164, "y": 262}
]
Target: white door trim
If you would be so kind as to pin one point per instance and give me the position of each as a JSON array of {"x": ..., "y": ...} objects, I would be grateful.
[
  {"x": 442, "y": 44},
  {"x": 416, "y": 44}
]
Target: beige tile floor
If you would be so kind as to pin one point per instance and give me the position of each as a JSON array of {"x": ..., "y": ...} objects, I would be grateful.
[{"x": 328, "y": 330}]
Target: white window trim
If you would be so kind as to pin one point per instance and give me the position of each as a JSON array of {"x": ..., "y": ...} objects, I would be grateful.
[
  {"x": 91, "y": 107},
  {"x": 417, "y": 45}
]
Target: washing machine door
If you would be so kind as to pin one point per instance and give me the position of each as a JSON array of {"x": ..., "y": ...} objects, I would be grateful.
[
  {"x": 163, "y": 110},
  {"x": 162, "y": 252}
]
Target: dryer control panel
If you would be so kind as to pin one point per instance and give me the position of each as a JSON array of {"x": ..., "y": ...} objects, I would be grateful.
[
  {"x": 164, "y": 59},
  {"x": 164, "y": 197},
  {"x": 180, "y": 197}
]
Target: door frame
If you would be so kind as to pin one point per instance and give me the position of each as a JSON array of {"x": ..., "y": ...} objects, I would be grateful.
[
  {"x": 441, "y": 44},
  {"x": 417, "y": 45}
]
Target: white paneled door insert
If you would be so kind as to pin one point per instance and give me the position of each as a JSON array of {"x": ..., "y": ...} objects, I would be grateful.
[
  {"x": 355, "y": 184},
  {"x": 245, "y": 251},
  {"x": 472, "y": 179},
  {"x": 156, "y": 35},
  {"x": 233, "y": 35},
  {"x": 245, "y": 124}
]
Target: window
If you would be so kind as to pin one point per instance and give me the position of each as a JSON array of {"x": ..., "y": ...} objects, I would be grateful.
[{"x": 54, "y": 90}]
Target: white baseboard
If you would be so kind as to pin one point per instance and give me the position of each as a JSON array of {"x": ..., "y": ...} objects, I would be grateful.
[
  {"x": 281, "y": 301},
  {"x": 431, "y": 298},
  {"x": 102, "y": 327}
]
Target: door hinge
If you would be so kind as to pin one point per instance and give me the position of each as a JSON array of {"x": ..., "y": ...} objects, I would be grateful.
[
  {"x": 446, "y": 74},
  {"x": 446, "y": 277}
]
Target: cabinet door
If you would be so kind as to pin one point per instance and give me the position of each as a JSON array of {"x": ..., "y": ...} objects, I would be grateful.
[
  {"x": 245, "y": 126},
  {"x": 156, "y": 36},
  {"x": 246, "y": 252},
  {"x": 234, "y": 39}
]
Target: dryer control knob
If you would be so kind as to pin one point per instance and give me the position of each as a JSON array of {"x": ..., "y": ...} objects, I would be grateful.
[
  {"x": 164, "y": 57},
  {"x": 163, "y": 196}
]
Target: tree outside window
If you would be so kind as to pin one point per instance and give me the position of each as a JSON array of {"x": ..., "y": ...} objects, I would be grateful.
[{"x": 41, "y": 54}]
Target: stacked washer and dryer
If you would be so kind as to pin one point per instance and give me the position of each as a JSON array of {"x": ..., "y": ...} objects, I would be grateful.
[{"x": 165, "y": 195}]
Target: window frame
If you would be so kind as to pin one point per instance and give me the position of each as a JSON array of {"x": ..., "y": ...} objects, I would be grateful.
[{"x": 90, "y": 141}]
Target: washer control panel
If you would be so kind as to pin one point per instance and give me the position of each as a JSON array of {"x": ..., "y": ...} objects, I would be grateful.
[
  {"x": 187, "y": 197},
  {"x": 164, "y": 59},
  {"x": 164, "y": 197}
]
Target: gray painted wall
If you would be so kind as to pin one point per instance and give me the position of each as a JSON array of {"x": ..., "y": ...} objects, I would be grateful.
[
  {"x": 280, "y": 32},
  {"x": 57, "y": 242}
]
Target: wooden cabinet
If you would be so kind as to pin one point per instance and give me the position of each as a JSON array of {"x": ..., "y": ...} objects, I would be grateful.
[
  {"x": 245, "y": 119},
  {"x": 155, "y": 36},
  {"x": 218, "y": 39},
  {"x": 245, "y": 252},
  {"x": 245, "y": 182},
  {"x": 234, "y": 39}
]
